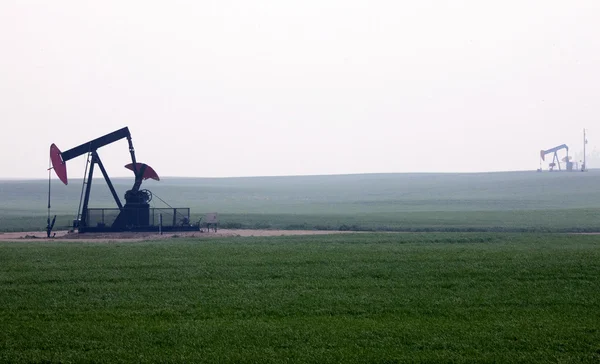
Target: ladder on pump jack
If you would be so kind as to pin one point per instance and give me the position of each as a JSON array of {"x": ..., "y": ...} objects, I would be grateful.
[{"x": 84, "y": 183}]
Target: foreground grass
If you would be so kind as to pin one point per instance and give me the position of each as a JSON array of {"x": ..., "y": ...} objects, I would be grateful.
[{"x": 354, "y": 298}]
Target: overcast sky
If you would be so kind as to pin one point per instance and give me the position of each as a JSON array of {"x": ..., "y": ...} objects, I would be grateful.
[{"x": 243, "y": 88}]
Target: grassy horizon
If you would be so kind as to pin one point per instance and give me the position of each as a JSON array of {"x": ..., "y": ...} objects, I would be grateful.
[
  {"x": 548, "y": 221},
  {"x": 511, "y": 201}
]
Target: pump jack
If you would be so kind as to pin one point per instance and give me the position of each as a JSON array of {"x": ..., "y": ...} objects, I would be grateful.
[
  {"x": 136, "y": 214},
  {"x": 555, "y": 159}
]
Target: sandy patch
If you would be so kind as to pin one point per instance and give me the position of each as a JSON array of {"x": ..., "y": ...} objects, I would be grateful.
[{"x": 128, "y": 236}]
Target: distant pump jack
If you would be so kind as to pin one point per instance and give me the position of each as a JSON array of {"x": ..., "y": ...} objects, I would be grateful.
[{"x": 569, "y": 165}]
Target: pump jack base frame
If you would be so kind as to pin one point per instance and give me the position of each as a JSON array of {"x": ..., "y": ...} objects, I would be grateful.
[{"x": 102, "y": 220}]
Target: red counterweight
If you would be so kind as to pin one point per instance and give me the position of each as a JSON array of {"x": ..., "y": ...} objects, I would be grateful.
[{"x": 148, "y": 171}]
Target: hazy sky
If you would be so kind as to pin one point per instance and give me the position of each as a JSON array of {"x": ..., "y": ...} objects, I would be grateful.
[{"x": 241, "y": 88}]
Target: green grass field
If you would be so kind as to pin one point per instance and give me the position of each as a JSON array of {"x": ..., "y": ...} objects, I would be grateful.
[
  {"x": 511, "y": 201},
  {"x": 379, "y": 298}
]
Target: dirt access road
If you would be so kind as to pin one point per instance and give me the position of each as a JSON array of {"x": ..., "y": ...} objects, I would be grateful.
[{"x": 123, "y": 237}]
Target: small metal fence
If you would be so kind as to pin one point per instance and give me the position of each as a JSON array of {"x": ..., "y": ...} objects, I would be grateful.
[{"x": 171, "y": 217}]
